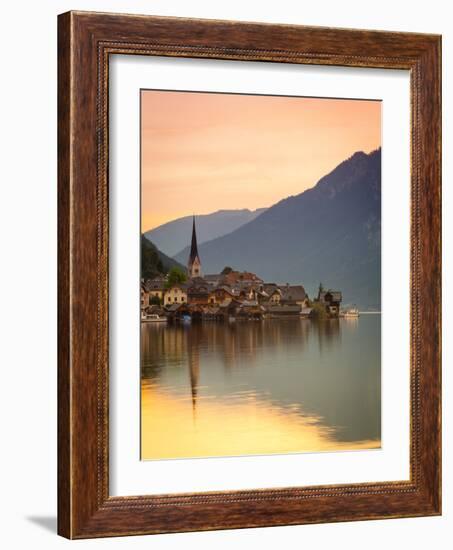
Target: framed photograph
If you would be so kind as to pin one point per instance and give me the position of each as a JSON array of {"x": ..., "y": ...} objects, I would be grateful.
[{"x": 249, "y": 275}]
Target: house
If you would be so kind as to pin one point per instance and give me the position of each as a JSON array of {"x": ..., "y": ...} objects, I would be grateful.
[
  {"x": 250, "y": 309},
  {"x": 249, "y": 291},
  {"x": 156, "y": 288},
  {"x": 294, "y": 295},
  {"x": 198, "y": 291},
  {"x": 273, "y": 292},
  {"x": 176, "y": 294},
  {"x": 242, "y": 278},
  {"x": 243, "y": 293},
  {"x": 260, "y": 295},
  {"x": 331, "y": 299},
  {"x": 275, "y": 297},
  {"x": 174, "y": 311},
  {"x": 228, "y": 309},
  {"x": 211, "y": 312},
  {"x": 144, "y": 296},
  {"x": 221, "y": 294}
]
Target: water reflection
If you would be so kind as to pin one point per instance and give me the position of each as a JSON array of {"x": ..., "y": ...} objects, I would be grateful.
[{"x": 274, "y": 386}]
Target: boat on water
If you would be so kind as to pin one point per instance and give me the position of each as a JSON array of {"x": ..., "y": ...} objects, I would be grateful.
[
  {"x": 153, "y": 318},
  {"x": 351, "y": 313}
]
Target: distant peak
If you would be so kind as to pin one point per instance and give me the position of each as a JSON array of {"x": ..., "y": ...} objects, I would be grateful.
[
  {"x": 361, "y": 155},
  {"x": 358, "y": 154}
]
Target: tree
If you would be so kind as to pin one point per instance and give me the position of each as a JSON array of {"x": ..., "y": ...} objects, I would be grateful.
[
  {"x": 151, "y": 263},
  {"x": 175, "y": 276},
  {"x": 226, "y": 270},
  {"x": 154, "y": 262},
  {"x": 318, "y": 311}
]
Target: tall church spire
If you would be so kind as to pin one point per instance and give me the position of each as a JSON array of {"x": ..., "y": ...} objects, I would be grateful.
[
  {"x": 193, "y": 246},
  {"x": 194, "y": 264}
]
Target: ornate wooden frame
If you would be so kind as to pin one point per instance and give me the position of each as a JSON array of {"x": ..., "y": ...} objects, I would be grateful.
[{"x": 85, "y": 42}]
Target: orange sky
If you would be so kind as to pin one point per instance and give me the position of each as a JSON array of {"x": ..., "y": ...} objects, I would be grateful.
[{"x": 203, "y": 152}]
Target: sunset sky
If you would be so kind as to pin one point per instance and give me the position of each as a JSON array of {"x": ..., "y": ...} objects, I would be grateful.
[{"x": 203, "y": 152}]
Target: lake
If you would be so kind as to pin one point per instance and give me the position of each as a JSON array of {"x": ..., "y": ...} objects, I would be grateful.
[{"x": 260, "y": 387}]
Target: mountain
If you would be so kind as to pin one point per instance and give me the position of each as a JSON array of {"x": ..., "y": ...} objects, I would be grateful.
[
  {"x": 154, "y": 262},
  {"x": 173, "y": 236},
  {"x": 330, "y": 233}
]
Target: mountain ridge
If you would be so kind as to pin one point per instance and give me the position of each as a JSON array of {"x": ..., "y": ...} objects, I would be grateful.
[
  {"x": 171, "y": 237},
  {"x": 329, "y": 233}
]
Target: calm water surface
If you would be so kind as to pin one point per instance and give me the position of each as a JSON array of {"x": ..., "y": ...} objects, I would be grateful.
[{"x": 263, "y": 387}]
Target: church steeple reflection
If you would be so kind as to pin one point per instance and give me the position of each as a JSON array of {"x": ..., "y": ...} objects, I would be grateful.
[
  {"x": 194, "y": 369},
  {"x": 193, "y": 355}
]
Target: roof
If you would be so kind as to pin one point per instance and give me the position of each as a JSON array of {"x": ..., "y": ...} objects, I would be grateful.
[
  {"x": 173, "y": 307},
  {"x": 225, "y": 288},
  {"x": 335, "y": 295},
  {"x": 154, "y": 284},
  {"x": 193, "y": 245},
  {"x": 196, "y": 281},
  {"x": 213, "y": 277},
  {"x": 271, "y": 288},
  {"x": 241, "y": 276},
  {"x": 182, "y": 286},
  {"x": 293, "y": 293},
  {"x": 198, "y": 286}
]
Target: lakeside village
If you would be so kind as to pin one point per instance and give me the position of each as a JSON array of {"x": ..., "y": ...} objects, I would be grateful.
[{"x": 230, "y": 295}]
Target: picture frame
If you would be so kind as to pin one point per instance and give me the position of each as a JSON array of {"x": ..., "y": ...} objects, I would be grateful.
[{"x": 85, "y": 42}]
